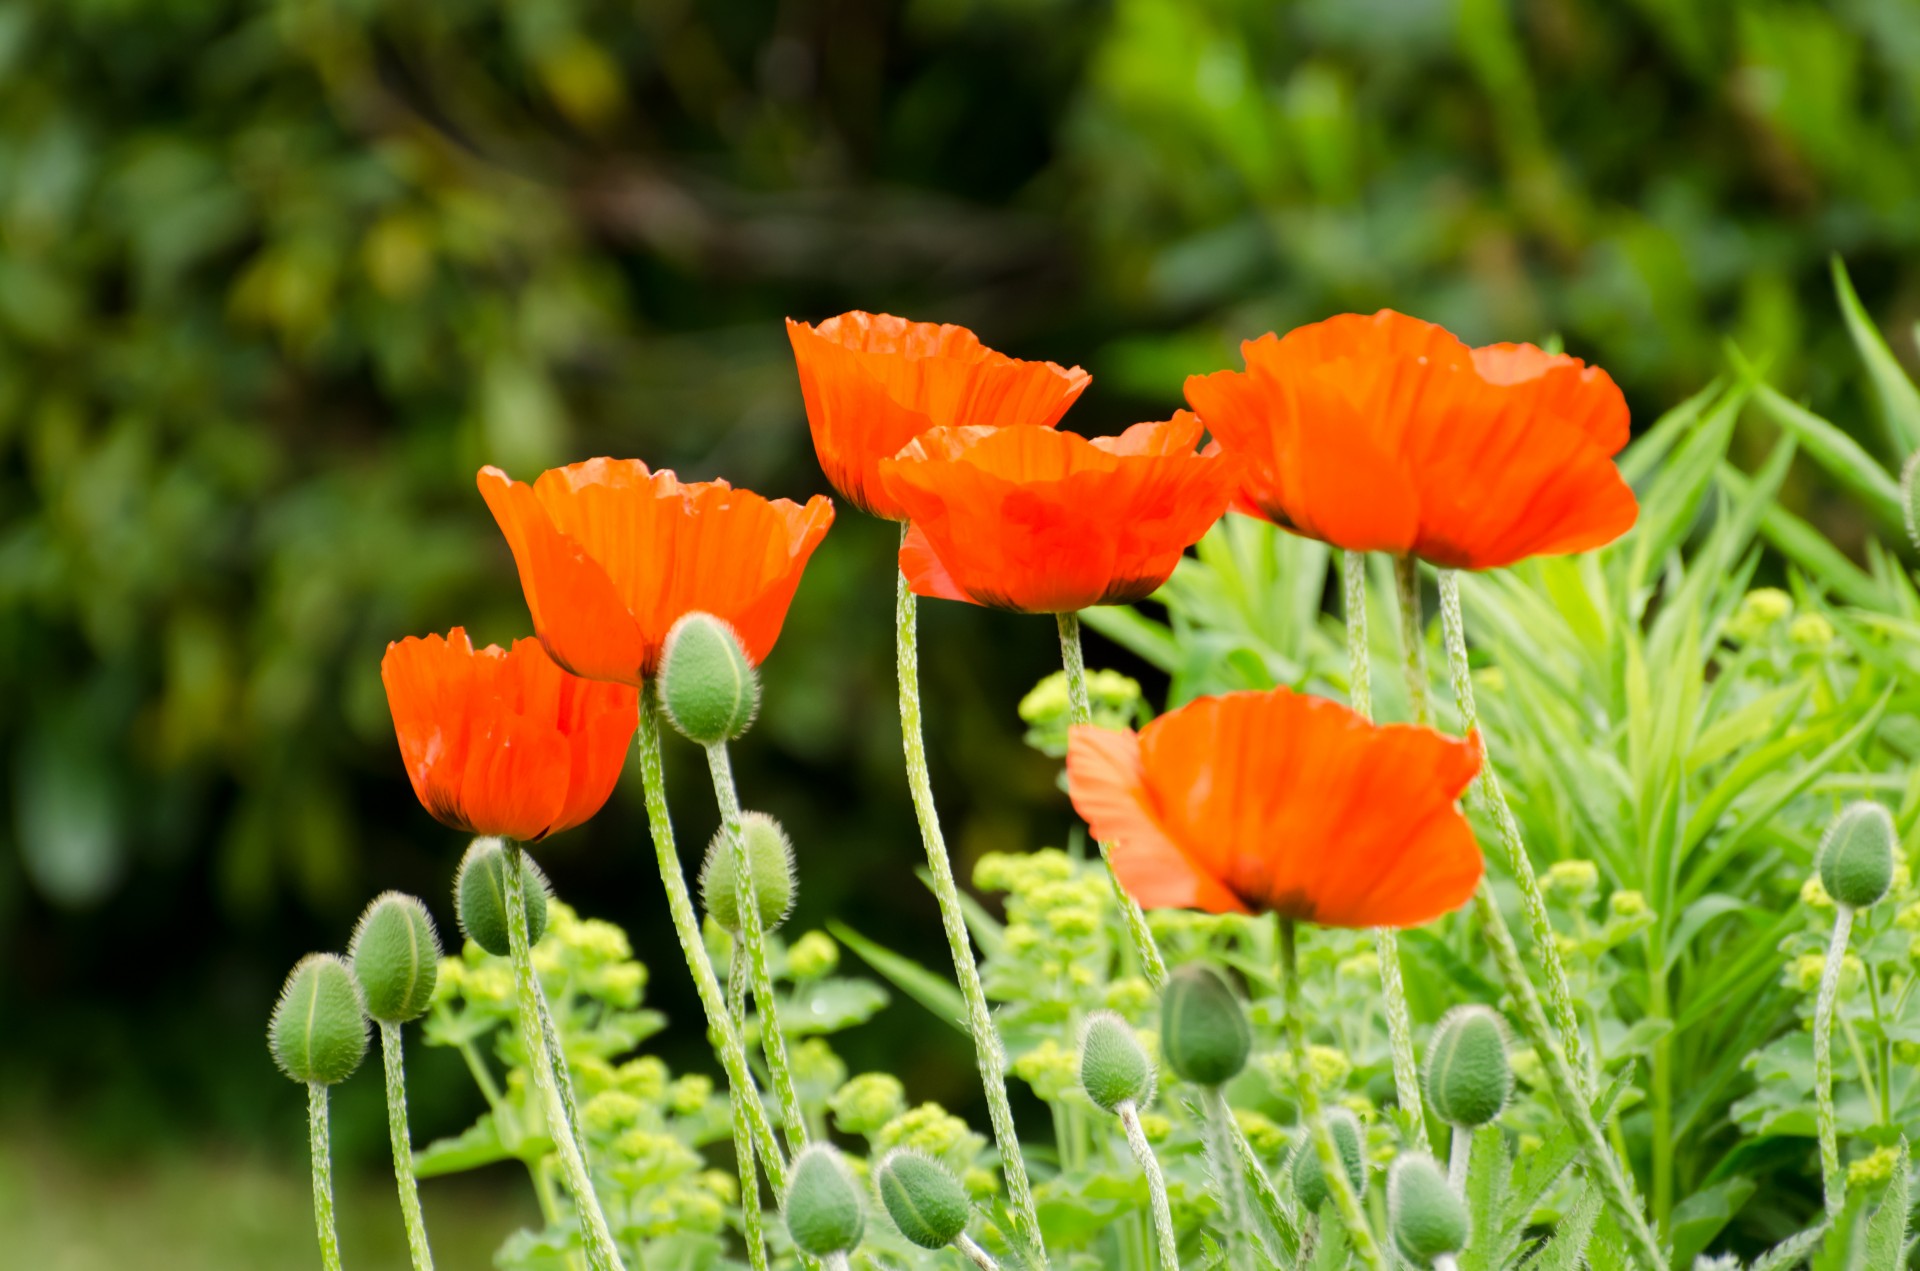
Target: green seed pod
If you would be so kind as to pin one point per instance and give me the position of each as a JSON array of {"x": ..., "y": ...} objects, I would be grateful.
[
  {"x": 1856, "y": 857},
  {"x": 926, "y": 1202},
  {"x": 1468, "y": 1078},
  {"x": 1309, "y": 1182},
  {"x": 1204, "y": 1034},
  {"x": 708, "y": 686},
  {"x": 1427, "y": 1217},
  {"x": 480, "y": 897},
  {"x": 1114, "y": 1068},
  {"x": 771, "y": 855},
  {"x": 823, "y": 1210},
  {"x": 396, "y": 957},
  {"x": 318, "y": 1033}
]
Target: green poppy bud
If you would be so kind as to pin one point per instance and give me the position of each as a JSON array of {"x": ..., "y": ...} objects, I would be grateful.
[
  {"x": 1309, "y": 1182},
  {"x": 1856, "y": 857},
  {"x": 396, "y": 957},
  {"x": 1114, "y": 1068},
  {"x": 480, "y": 897},
  {"x": 771, "y": 855},
  {"x": 710, "y": 689},
  {"x": 926, "y": 1202},
  {"x": 318, "y": 1033},
  {"x": 822, "y": 1208},
  {"x": 1204, "y": 1034},
  {"x": 1468, "y": 1078},
  {"x": 1427, "y": 1217}
]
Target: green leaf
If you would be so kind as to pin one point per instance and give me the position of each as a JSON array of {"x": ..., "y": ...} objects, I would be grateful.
[
  {"x": 1845, "y": 1246},
  {"x": 1845, "y": 459},
  {"x": 1486, "y": 1194},
  {"x": 830, "y": 1005},
  {"x": 1887, "y": 1233},
  {"x": 1138, "y": 634},
  {"x": 1899, "y": 399},
  {"x": 1806, "y": 547},
  {"x": 1703, "y": 1215},
  {"x": 1568, "y": 1245},
  {"x": 934, "y": 992},
  {"x": 477, "y": 1146}
]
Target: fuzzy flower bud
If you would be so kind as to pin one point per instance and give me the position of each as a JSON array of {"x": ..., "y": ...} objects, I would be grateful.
[
  {"x": 1114, "y": 1068},
  {"x": 1468, "y": 1078},
  {"x": 396, "y": 956},
  {"x": 926, "y": 1202},
  {"x": 318, "y": 1033},
  {"x": 1427, "y": 1217},
  {"x": 709, "y": 687},
  {"x": 1204, "y": 1034},
  {"x": 822, "y": 1206},
  {"x": 480, "y": 897},
  {"x": 770, "y": 854},
  {"x": 1856, "y": 857},
  {"x": 1309, "y": 1182}
]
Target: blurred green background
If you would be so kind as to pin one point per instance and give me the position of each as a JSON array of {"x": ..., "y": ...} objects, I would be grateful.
[{"x": 275, "y": 280}]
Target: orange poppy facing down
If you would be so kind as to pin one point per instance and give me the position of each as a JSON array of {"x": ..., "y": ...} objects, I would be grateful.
[
  {"x": 1279, "y": 801},
  {"x": 1047, "y": 522},
  {"x": 873, "y": 382},
  {"x": 1386, "y": 433},
  {"x": 611, "y": 555},
  {"x": 504, "y": 742}
]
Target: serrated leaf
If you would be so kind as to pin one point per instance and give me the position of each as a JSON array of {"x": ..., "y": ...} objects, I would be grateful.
[
  {"x": 478, "y": 1145},
  {"x": 1564, "y": 1250},
  {"x": 1886, "y": 1246}
]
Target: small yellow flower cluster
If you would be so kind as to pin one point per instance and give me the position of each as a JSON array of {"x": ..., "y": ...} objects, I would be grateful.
[
  {"x": 1874, "y": 1168},
  {"x": 812, "y": 956},
  {"x": 868, "y": 1102},
  {"x": 933, "y": 1130}
]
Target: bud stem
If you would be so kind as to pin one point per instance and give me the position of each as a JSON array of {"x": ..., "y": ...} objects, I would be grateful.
[
  {"x": 974, "y": 1253},
  {"x": 1459, "y": 1150},
  {"x": 1163, "y": 1232},
  {"x": 772, "y": 1039},
  {"x": 393, "y": 1061},
  {"x": 317, "y": 1141},
  {"x": 1339, "y": 1186},
  {"x": 1279, "y": 1215},
  {"x": 1446, "y": 1262},
  {"x": 989, "y": 1054},
  {"x": 1386, "y": 941},
  {"x": 750, "y": 1225},
  {"x": 1834, "y": 1179},
  {"x": 1214, "y": 1115},
  {"x": 1413, "y": 638}
]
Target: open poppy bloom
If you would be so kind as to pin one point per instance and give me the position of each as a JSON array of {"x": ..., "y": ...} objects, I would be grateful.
[
  {"x": 611, "y": 555},
  {"x": 873, "y": 382},
  {"x": 1279, "y": 801},
  {"x": 1039, "y": 521},
  {"x": 501, "y": 741},
  {"x": 1386, "y": 433}
]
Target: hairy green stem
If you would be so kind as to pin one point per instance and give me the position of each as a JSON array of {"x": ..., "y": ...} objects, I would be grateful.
[
  {"x": 317, "y": 1142},
  {"x": 557, "y": 1058},
  {"x": 1339, "y": 1186},
  {"x": 973, "y": 1253},
  {"x": 773, "y": 1039},
  {"x": 1216, "y": 1121},
  {"x": 1413, "y": 638},
  {"x": 751, "y": 1229},
  {"x": 1459, "y": 1149},
  {"x": 393, "y": 1061},
  {"x": 1163, "y": 1233},
  {"x": 1519, "y": 864},
  {"x": 720, "y": 1031},
  {"x": 1386, "y": 941},
  {"x": 1278, "y": 1213},
  {"x": 1834, "y": 1182},
  {"x": 601, "y": 1250},
  {"x": 989, "y": 1055}
]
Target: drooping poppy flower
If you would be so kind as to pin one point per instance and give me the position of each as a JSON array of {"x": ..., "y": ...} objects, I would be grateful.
[
  {"x": 1279, "y": 801},
  {"x": 1386, "y": 433},
  {"x": 1039, "y": 521},
  {"x": 873, "y": 382},
  {"x": 611, "y": 555},
  {"x": 504, "y": 742}
]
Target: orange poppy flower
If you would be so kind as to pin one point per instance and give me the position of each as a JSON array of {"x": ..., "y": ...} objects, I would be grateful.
[
  {"x": 1284, "y": 802},
  {"x": 611, "y": 555},
  {"x": 1386, "y": 433},
  {"x": 501, "y": 741},
  {"x": 873, "y": 382},
  {"x": 1047, "y": 522}
]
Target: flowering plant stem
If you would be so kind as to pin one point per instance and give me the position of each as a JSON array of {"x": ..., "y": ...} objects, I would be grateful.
[
  {"x": 750, "y": 1227},
  {"x": 989, "y": 1054},
  {"x": 393, "y": 1061},
  {"x": 1339, "y": 1186},
  {"x": 317, "y": 1142},
  {"x": 974, "y": 1253},
  {"x": 773, "y": 1039},
  {"x": 1386, "y": 941},
  {"x": 733, "y": 1056},
  {"x": 601, "y": 1250},
  {"x": 1156, "y": 1185},
  {"x": 1833, "y": 1180}
]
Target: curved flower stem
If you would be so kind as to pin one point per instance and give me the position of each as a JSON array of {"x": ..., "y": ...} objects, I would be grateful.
[
  {"x": 601, "y": 1250},
  {"x": 317, "y": 1142},
  {"x": 1163, "y": 1233},
  {"x": 1278, "y": 1213},
  {"x": 1539, "y": 926},
  {"x": 1413, "y": 638},
  {"x": 725, "y": 1038},
  {"x": 773, "y": 1040},
  {"x": 1080, "y": 711},
  {"x": 1459, "y": 1151},
  {"x": 751, "y": 1229},
  {"x": 989, "y": 1054},
  {"x": 974, "y": 1253},
  {"x": 557, "y": 1058},
  {"x": 1214, "y": 1116},
  {"x": 1601, "y": 1162},
  {"x": 1386, "y": 941},
  {"x": 393, "y": 1061},
  {"x": 1833, "y": 1179},
  {"x": 1352, "y": 1216}
]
